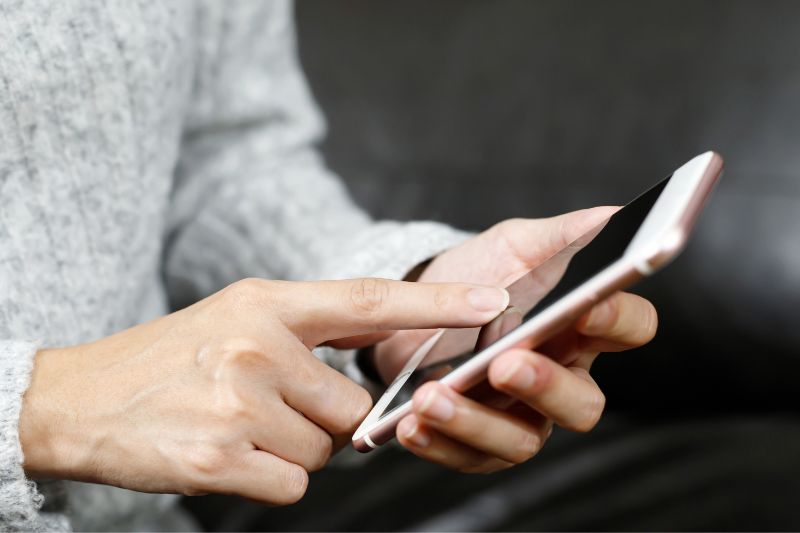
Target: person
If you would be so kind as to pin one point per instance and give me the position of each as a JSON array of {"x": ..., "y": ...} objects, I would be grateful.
[{"x": 162, "y": 155}]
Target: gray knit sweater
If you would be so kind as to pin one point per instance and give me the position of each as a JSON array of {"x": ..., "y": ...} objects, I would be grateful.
[{"x": 154, "y": 150}]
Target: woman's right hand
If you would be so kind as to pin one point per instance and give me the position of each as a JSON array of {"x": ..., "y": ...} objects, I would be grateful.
[{"x": 225, "y": 396}]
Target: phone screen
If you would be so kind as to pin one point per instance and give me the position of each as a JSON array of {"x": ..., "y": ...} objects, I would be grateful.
[{"x": 532, "y": 293}]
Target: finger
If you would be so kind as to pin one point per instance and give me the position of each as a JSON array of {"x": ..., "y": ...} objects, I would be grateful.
[
  {"x": 433, "y": 446},
  {"x": 291, "y": 436},
  {"x": 569, "y": 397},
  {"x": 494, "y": 432},
  {"x": 622, "y": 321},
  {"x": 325, "y": 396},
  {"x": 262, "y": 477},
  {"x": 359, "y": 341},
  {"x": 325, "y": 310},
  {"x": 534, "y": 240}
]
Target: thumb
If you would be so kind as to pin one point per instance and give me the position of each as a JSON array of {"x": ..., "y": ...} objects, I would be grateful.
[
  {"x": 535, "y": 240},
  {"x": 321, "y": 311}
]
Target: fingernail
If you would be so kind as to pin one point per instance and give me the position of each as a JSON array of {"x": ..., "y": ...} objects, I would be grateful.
[
  {"x": 437, "y": 407},
  {"x": 486, "y": 299},
  {"x": 412, "y": 433},
  {"x": 519, "y": 375}
]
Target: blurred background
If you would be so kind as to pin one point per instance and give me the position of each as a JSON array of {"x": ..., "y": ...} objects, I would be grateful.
[{"x": 470, "y": 112}]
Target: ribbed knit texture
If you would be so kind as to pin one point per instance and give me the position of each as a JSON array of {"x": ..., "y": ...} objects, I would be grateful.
[{"x": 155, "y": 150}]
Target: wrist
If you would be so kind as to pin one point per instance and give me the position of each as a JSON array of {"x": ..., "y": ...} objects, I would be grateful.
[{"x": 44, "y": 419}]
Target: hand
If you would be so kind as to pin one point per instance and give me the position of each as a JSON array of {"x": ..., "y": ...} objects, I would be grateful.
[
  {"x": 224, "y": 396},
  {"x": 466, "y": 435}
]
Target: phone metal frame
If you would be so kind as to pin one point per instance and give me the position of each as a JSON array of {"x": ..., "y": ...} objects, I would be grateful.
[{"x": 661, "y": 237}]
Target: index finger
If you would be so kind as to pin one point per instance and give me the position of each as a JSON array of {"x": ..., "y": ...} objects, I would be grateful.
[{"x": 321, "y": 311}]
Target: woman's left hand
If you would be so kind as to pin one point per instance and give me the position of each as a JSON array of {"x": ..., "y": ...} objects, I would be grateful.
[{"x": 463, "y": 434}]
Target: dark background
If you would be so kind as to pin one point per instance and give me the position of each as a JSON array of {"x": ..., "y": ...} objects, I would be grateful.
[{"x": 470, "y": 112}]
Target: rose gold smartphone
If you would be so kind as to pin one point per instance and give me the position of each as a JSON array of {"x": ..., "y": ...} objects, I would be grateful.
[{"x": 635, "y": 242}]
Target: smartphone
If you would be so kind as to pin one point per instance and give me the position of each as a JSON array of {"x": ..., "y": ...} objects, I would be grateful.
[{"x": 634, "y": 242}]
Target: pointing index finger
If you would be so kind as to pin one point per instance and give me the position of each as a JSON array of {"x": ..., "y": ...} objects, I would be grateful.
[{"x": 325, "y": 310}]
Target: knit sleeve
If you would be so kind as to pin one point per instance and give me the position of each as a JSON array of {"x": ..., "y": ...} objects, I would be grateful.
[
  {"x": 252, "y": 194},
  {"x": 20, "y": 502}
]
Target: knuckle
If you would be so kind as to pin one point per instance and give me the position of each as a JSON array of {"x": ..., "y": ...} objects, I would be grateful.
[
  {"x": 369, "y": 295},
  {"x": 237, "y": 354},
  {"x": 248, "y": 293},
  {"x": 240, "y": 349},
  {"x": 205, "y": 463},
  {"x": 243, "y": 291},
  {"x": 229, "y": 399}
]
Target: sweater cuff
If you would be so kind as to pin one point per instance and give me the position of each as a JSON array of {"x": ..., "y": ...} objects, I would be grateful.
[{"x": 20, "y": 501}]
